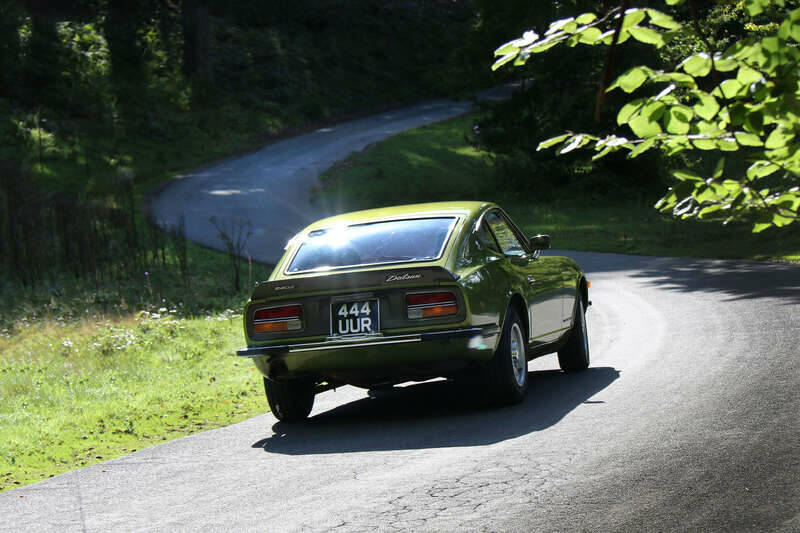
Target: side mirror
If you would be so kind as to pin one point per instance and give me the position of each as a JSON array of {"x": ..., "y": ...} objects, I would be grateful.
[{"x": 540, "y": 242}]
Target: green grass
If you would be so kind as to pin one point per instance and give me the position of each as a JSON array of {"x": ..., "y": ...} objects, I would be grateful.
[
  {"x": 437, "y": 163},
  {"x": 90, "y": 371},
  {"x": 77, "y": 394}
]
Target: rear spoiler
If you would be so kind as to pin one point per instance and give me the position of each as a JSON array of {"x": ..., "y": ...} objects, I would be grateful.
[{"x": 354, "y": 280}]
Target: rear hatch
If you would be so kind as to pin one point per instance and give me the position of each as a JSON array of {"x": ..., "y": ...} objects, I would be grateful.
[{"x": 360, "y": 303}]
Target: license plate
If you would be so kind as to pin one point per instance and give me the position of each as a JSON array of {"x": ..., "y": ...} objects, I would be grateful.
[{"x": 359, "y": 317}]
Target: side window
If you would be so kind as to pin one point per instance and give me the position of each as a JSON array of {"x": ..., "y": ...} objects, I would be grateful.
[
  {"x": 509, "y": 243},
  {"x": 485, "y": 239}
]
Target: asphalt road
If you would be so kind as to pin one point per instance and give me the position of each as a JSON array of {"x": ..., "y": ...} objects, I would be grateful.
[
  {"x": 268, "y": 192},
  {"x": 687, "y": 420}
]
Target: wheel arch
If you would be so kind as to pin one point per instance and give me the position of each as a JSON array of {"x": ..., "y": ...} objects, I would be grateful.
[
  {"x": 583, "y": 291},
  {"x": 517, "y": 303}
]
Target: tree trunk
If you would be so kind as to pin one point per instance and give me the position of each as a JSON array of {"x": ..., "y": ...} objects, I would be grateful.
[
  {"x": 10, "y": 16},
  {"x": 121, "y": 32},
  {"x": 197, "y": 64}
]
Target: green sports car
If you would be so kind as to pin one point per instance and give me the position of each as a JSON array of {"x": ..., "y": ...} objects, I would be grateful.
[{"x": 409, "y": 293}]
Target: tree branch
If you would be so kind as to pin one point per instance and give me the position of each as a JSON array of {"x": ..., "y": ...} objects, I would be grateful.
[{"x": 608, "y": 68}]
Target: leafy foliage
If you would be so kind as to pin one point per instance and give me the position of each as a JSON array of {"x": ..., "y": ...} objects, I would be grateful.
[{"x": 740, "y": 105}]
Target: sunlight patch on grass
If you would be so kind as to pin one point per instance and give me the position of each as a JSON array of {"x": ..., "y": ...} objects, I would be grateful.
[{"x": 81, "y": 393}]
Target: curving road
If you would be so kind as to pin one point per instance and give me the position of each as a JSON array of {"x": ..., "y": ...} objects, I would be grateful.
[
  {"x": 688, "y": 419},
  {"x": 268, "y": 192}
]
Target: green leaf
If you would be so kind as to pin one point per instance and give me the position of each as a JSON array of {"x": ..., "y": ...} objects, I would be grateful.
[
  {"x": 674, "y": 2},
  {"x": 785, "y": 29},
  {"x": 761, "y": 168},
  {"x": 507, "y": 48},
  {"x": 719, "y": 168},
  {"x": 789, "y": 200},
  {"x": 708, "y": 210},
  {"x": 631, "y": 80},
  {"x": 677, "y": 119},
  {"x": 697, "y": 65},
  {"x": 503, "y": 60},
  {"x": 642, "y": 147},
  {"x": 675, "y": 77},
  {"x": 676, "y": 144},
  {"x": 779, "y": 138},
  {"x": 753, "y": 7},
  {"x": 589, "y": 35},
  {"x": 727, "y": 89},
  {"x": 707, "y": 106},
  {"x": 633, "y": 17},
  {"x": 629, "y": 109},
  {"x": 748, "y": 139},
  {"x": 726, "y": 144},
  {"x": 704, "y": 144},
  {"x": 687, "y": 175},
  {"x": 737, "y": 114},
  {"x": 754, "y": 122},
  {"x": 704, "y": 193},
  {"x": 780, "y": 220},
  {"x": 761, "y": 226},
  {"x": 643, "y": 126},
  {"x": 602, "y": 153},
  {"x": 725, "y": 64},
  {"x": 647, "y": 36},
  {"x": 747, "y": 75},
  {"x": 794, "y": 29},
  {"x": 653, "y": 109},
  {"x": 547, "y": 143},
  {"x": 771, "y": 45},
  {"x": 576, "y": 142},
  {"x": 657, "y": 18},
  {"x": 541, "y": 46},
  {"x": 559, "y": 25},
  {"x": 734, "y": 187},
  {"x": 586, "y": 18},
  {"x": 607, "y": 37}
]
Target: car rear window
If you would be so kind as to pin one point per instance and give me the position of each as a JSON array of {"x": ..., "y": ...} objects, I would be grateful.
[{"x": 391, "y": 241}]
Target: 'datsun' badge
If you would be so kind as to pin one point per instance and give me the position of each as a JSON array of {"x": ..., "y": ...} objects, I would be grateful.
[{"x": 402, "y": 277}]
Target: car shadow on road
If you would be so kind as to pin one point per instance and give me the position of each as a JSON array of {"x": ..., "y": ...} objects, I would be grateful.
[{"x": 437, "y": 414}]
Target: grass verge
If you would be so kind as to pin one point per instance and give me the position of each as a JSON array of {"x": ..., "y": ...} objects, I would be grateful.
[
  {"x": 82, "y": 393},
  {"x": 437, "y": 162},
  {"x": 93, "y": 371}
]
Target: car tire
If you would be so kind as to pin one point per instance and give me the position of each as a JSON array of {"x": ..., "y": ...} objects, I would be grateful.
[
  {"x": 290, "y": 401},
  {"x": 508, "y": 369},
  {"x": 574, "y": 355}
]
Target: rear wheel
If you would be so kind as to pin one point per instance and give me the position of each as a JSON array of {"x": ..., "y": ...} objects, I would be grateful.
[
  {"x": 574, "y": 355},
  {"x": 508, "y": 369},
  {"x": 289, "y": 401}
]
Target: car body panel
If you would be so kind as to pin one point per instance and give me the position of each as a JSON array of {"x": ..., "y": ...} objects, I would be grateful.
[{"x": 483, "y": 280}]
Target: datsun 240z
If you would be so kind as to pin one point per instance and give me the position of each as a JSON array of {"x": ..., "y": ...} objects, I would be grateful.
[{"x": 409, "y": 293}]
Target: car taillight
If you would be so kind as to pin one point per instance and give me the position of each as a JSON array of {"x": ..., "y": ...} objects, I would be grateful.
[
  {"x": 278, "y": 319},
  {"x": 431, "y": 304}
]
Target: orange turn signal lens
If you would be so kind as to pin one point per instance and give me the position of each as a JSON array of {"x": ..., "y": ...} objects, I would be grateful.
[
  {"x": 440, "y": 310},
  {"x": 278, "y": 319},
  {"x": 271, "y": 327},
  {"x": 431, "y": 304}
]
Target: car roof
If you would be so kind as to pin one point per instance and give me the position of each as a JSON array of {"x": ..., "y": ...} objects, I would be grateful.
[{"x": 400, "y": 211}]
